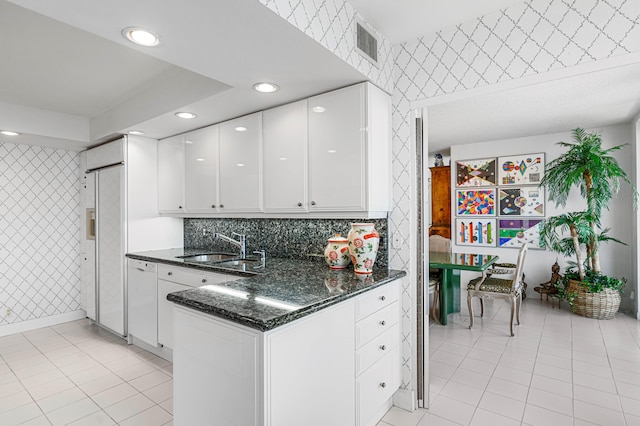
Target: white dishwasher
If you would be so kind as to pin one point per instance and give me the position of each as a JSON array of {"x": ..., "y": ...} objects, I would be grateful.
[{"x": 143, "y": 301}]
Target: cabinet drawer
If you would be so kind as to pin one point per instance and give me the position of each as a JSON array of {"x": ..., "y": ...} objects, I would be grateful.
[
  {"x": 377, "y": 299},
  {"x": 376, "y": 386},
  {"x": 190, "y": 277},
  {"x": 377, "y": 323},
  {"x": 377, "y": 348}
]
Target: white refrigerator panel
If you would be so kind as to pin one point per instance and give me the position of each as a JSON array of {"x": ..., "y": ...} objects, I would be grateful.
[{"x": 110, "y": 243}]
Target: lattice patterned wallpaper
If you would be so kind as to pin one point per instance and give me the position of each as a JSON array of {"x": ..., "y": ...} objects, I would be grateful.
[
  {"x": 531, "y": 38},
  {"x": 39, "y": 232}
]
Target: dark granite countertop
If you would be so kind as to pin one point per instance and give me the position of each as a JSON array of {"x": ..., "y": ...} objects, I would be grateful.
[{"x": 282, "y": 291}]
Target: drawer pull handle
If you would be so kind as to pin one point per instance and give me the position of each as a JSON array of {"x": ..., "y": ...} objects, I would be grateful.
[
  {"x": 383, "y": 385},
  {"x": 313, "y": 203},
  {"x": 213, "y": 206},
  {"x": 383, "y": 298},
  {"x": 169, "y": 273},
  {"x": 383, "y": 348},
  {"x": 383, "y": 323},
  {"x": 204, "y": 280},
  {"x": 299, "y": 204}
]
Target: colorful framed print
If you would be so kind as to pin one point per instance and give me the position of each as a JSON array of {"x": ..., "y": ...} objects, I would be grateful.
[
  {"x": 515, "y": 232},
  {"x": 476, "y": 172},
  {"x": 475, "y": 202},
  {"x": 479, "y": 232},
  {"x": 521, "y": 201},
  {"x": 526, "y": 169}
]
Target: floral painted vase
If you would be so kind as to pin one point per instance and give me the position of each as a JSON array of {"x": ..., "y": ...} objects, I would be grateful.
[
  {"x": 336, "y": 253},
  {"x": 363, "y": 247}
]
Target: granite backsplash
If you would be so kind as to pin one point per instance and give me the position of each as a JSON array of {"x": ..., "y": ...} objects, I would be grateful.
[{"x": 287, "y": 238}]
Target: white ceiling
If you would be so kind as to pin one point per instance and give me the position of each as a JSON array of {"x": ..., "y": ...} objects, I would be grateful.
[
  {"x": 602, "y": 98},
  {"x": 69, "y": 79},
  {"x": 67, "y": 62}
]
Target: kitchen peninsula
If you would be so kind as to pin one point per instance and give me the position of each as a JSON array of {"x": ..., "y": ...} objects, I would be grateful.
[{"x": 290, "y": 342}]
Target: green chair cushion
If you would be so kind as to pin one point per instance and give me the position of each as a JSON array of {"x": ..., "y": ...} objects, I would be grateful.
[{"x": 494, "y": 285}]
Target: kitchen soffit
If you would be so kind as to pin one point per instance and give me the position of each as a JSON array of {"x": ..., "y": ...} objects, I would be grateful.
[{"x": 71, "y": 59}]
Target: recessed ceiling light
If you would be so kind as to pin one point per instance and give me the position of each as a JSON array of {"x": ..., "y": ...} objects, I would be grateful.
[
  {"x": 141, "y": 37},
  {"x": 240, "y": 165},
  {"x": 136, "y": 132},
  {"x": 332, "y": 151},
  {"x": 265, "y": 87},
  {"x": 241, "y": 129},
  {"x": 187, "y": 115},
  {"x": 283, "y": 158},
  {"x": 9, "y": 133},
  {"x": 318, "y": 109},
  {"x": 199, "y": 159},
  {"x": 188, "y": 141}
]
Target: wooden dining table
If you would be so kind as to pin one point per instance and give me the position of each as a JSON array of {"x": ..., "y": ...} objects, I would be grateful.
[{"x": 451, "y": 265}]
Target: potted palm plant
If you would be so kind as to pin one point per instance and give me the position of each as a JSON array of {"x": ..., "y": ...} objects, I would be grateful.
[{"x": 590, "y": 168}]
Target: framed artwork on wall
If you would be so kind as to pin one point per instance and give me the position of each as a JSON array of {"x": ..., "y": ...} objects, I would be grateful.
[
  {"x": 476, "y": 231},
  {"x": 481, "y": 172},
  {"x": 526, "y": 169},
  {"x": 515, "y": 232},
  {"x": 521, "y": 201},
  {"x": 475, "y": 202}
]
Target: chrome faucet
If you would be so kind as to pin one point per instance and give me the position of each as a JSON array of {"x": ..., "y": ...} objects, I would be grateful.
[{"x": 241, "y": 243}]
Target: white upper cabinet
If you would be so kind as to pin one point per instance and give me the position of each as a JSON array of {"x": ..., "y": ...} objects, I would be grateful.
[
  {"x": 171, "y": 175},
  {"x": 201, "y": 174},
  {"x": 326, "y": 156},
  {"x": 240, "y": 165},
  {"x": 350, "y": 151},
  {"x": 284, "y": 142}
]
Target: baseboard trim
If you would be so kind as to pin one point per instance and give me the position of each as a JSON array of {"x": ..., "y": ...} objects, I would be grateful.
[
  {"x": 405, "y": 399},
  {"x": 162, "y": 352},
  {"x": 21, "y": 327}
]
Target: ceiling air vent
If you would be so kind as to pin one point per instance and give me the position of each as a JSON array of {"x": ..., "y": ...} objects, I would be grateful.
[{"x": 366, "y": 42}]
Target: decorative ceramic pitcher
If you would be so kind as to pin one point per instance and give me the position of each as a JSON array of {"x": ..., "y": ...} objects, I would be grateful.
[
  {"x": 336, "y": 253},
  {"x": 363, "y": 247}
]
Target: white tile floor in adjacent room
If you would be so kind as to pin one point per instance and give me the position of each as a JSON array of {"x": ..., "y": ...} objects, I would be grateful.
[
  {"x": 76, "y": 374},
  {"x": 560, "y": 369}
]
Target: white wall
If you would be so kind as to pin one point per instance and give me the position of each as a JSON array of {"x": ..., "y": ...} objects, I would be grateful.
[
  {"x": 39, "y": 233},
  {"x": 616, "y": 259}
]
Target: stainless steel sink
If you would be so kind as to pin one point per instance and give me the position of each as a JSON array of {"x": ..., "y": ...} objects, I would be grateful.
[
  {"x": 239, "y": 262},
  {"x": 208, "y": 257}
]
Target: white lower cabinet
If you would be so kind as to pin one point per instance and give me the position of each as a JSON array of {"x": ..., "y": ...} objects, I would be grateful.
[
  {"x": 165, "y": 311},
  {"x": 377, "y": 352},
  {"x": 300, "y": 373},
  {"x": 172, "y": 279}
]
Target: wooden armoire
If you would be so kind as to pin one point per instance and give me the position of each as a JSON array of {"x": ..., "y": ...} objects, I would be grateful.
[{"x": 440, "y": 201}]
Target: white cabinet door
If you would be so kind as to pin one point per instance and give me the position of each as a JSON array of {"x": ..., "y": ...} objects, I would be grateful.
[
  {"x": 201, "y": 168},
  {"x": 142, "y": 288},
  {"x": 171, "y": 175},
  {"x": 317, "y": 348},
  {"x": 165, "y": 311},
  {"x": 110, "y": 248},
  {"x": 284, "y": 142},
  {"x": 88, "y": 281},
  {"x": 337, "y": 137},
  {"x": 240, "y": 168},
  {"x": 217, "y": 369}
]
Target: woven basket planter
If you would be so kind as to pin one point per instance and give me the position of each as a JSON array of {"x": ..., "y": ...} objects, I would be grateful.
[{"x": 602, "y": 305}]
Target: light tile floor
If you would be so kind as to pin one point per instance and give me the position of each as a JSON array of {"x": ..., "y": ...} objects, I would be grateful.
[
  {"x": 559, "y": 369},
  {"x": 77, "y": 374}
]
